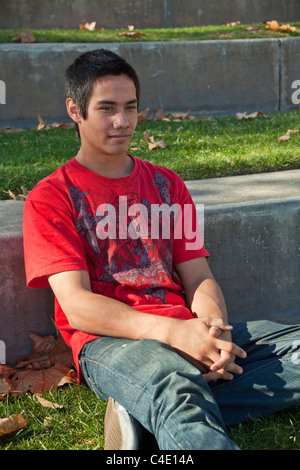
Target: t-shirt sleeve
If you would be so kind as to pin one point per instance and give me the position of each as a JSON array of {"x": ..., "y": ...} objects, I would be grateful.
[
  {"x": 51, "y": 241},
  {"x": 188, "y": 240}
]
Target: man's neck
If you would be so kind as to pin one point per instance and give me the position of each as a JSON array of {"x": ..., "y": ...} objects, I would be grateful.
[{"x": 110, "y": 166}]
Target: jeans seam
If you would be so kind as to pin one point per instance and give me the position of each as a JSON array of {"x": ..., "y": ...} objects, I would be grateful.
[{"x": 277, "y": 340}]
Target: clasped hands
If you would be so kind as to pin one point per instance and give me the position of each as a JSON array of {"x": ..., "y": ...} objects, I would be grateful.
[{"x": 208, "y": 345}]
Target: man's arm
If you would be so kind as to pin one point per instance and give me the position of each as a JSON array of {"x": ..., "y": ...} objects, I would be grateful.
[
  {"x": 100, "y": 315},
  {"x": 205, "y": 299}
]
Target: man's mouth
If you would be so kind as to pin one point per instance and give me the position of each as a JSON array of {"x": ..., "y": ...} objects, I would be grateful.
[{"x": 119, "y": 136}]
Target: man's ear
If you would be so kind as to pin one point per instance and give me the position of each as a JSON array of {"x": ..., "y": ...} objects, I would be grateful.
[{"x": 73, "y": 110}]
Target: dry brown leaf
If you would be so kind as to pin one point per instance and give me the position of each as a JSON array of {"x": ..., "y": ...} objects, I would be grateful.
[
  {"x": 47, "y": 350},
  {"x": 152, "y": 144},
  {"x": 25, "y": 37},
  {"x": 181, "y": 116},
  {"x": 54, "y": 125},
  {"x": 135, "y": 34},
  {"x": 274, "y": 25},
  {"x": 11, "y": 424},
  {"x": 47, "y": 403},
  {"x": 283, "y": 137},
  {"x": 37, "y": 381},
  {"x": 234, "y": 23},
  {"x": 90, "y": 26},
  {"x": 6, "y": 373},
  {"x": 42, "y": 346},
  {"x": 143, "y": 115},
  {"x": 287, "y": 135},
  {"x": 240, "y": 116},
  {"x": 42, "y": 123},
  {"x": 19, "y": 197}
]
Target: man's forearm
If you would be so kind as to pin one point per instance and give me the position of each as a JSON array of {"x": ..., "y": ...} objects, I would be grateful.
[
  {"x": 101, "y": 315},
  {"x": 207, "y": 300}
]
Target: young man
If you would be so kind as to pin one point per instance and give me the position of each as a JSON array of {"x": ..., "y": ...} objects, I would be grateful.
[{"x": 134, "y": 296}]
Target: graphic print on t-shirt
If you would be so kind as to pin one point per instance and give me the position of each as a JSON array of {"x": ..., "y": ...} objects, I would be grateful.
[{"x": 135, "y": 262}]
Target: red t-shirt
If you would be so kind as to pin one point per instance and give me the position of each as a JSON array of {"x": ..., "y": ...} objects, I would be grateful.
[{"x": 128, "y": 233}]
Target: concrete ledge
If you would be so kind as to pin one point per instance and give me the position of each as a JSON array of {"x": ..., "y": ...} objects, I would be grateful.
[
  {"x": 142, "y": 14},
  {"x": 208, "y": 77},
  {"x": 251, "y": 231}
]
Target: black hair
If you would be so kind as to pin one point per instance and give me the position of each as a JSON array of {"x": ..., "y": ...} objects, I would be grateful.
[{"x": 81, "y": 75}]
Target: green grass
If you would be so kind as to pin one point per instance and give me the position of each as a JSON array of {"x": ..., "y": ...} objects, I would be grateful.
[
  {"x": 78, "y": 425},
  {"x": 195, "y": 149},
  {"x": 197, "y": 33}
]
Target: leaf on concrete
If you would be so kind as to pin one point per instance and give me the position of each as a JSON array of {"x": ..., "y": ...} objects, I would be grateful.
[{"x": 11, "y": 424}]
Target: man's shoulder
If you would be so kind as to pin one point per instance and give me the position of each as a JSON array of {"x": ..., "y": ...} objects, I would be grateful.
[
  {"x": 53, "y": 183},
  {"x": 155, "y": 168}
]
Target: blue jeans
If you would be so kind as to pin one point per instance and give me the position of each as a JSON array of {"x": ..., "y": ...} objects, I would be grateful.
[{"x": 170, "y": 397}]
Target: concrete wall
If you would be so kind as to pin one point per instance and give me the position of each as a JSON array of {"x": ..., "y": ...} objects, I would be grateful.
[
  {"x": 251, "y": 230},
  {"x": 210, "y": 77},
  {"x": 142, "y": 13}
]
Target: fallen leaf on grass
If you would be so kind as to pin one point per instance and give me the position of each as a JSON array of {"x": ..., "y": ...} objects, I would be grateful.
[
  {"x": 11, "y": 424},
  {"x": 287, "y": 135},
  {"x": 90, "y": 26},
  {"x": 234, "y": 23},
  {"x": 134, "y": 34},
  {"x": 161, "y": 115},
  {"x": 143, "y": 115},
  {"x": 19, "y": 197},
  {"x": 54, "y": 125},
  {"x": 152, "y": 144},
  {"x": 47, "y": 403},
  {"x": 25, "y": 37},
  {"x": 276, "y": 27},
  {"x": 240, "y": 116}
]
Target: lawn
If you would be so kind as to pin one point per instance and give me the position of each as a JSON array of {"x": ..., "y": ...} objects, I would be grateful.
[
  {"x": 78, "y": 424},
  {"x": 196, "y": 33},
  {"x": 195, "y": 149}
]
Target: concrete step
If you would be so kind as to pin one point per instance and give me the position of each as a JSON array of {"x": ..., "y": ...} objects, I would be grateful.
[
  {"x": 143, "y": 14},
  {"x": 212, "y": 78},
  {"x": 251, "y": 229}
]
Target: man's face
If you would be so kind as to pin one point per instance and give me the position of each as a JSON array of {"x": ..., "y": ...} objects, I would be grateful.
[{"x": 111, "y": 116}]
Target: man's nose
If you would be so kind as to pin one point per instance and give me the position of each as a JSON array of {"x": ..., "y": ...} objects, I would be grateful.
[{"x": 120, "y": 120}]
